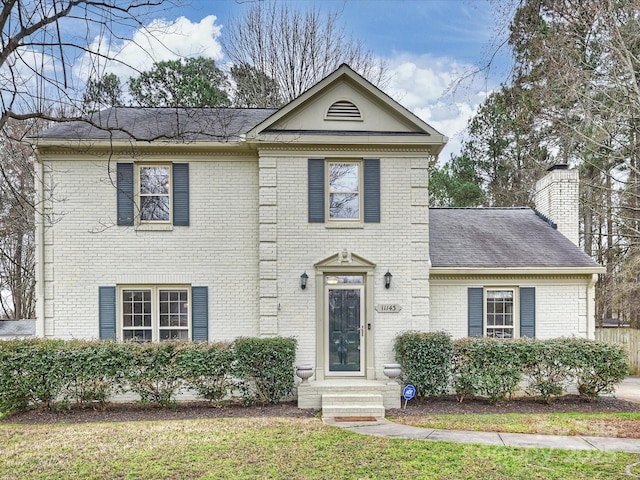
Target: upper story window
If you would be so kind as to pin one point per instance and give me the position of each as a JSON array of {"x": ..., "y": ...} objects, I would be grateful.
[
  {"x": 344, "y": 190},
  {"x": 155, "y": 193}
]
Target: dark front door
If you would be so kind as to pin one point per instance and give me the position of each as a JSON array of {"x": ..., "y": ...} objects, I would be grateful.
[{"x": 346, "y": 334}]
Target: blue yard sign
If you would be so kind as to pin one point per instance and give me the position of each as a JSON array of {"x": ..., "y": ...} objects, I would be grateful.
[{"x": 408, "y": 393}]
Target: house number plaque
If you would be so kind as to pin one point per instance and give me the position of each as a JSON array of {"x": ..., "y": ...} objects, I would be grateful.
[{"x": 388, "y": 308}]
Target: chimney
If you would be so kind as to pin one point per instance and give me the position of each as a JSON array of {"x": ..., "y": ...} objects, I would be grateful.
[{"x": 557, "y": 196}]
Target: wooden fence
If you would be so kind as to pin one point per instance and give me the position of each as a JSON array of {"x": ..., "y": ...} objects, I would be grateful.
[{"x": 629, "y": 338}]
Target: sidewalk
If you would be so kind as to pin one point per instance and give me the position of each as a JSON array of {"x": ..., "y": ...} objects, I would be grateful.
[
  {"x": 385, "y": 428},
  {"x": 628, "y": 390}
]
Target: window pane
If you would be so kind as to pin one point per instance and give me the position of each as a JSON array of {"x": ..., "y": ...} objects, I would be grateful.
[
  {"x": 136, "y": 308},
  {"x": 154, "y": 208},
  {"x": 174, "y": 308},
  {"x": 500, "y": 332},
  {"x": 174, "y": 335},
  {"x": 154, "y": 180},
  {"x": 499, "y": 313},
  {"x": 343, "y": 177},
  {"x": 344, "y": 205},
  {"x": 137, "y": 335}
]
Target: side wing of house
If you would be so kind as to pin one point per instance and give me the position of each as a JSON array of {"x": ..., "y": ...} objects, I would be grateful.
[{"x": 508, "y": 273}]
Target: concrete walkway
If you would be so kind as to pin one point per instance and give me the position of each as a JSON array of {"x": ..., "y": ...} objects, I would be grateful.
[
  {"x": 385, "y": 428},
  {"x": 629, "y": 390}
]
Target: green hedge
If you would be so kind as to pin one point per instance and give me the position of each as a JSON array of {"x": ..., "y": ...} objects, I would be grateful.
[
  {"x": 426, "y": 361},
  {"x": 267, "y": 367},
  {"x": 55, "y": 373},
  {"x": 494, "y": 368}
]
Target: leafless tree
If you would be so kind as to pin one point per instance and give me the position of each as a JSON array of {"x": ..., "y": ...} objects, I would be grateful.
[
  {"x": 296, "y": 47},
  {"x": 44, "y": 40},
  {"x": 17, "y": 245},
  {"x": 43, "y": 44}
]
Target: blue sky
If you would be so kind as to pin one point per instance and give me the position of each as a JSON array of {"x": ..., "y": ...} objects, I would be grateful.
[{"x": 427, "y": 44}]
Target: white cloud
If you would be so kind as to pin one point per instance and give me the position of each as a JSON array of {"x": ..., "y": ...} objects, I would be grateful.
[
  {"x": 160, "y": 40},
  {"x": 424, "y": 84}
]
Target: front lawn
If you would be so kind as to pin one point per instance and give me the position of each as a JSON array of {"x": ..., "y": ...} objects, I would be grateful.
[{"x": 263, "y": 447}]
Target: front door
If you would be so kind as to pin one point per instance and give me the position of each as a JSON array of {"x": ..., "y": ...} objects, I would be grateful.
[{"x": 345, "y": 308}]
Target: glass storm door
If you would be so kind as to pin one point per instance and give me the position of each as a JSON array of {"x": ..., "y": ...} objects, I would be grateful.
[{"x": 346, "y": 332}]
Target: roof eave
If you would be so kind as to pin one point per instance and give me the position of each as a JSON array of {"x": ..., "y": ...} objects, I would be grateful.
[
  {"x": 597, "y": 269},
  {"x": 45, "y": 145}
]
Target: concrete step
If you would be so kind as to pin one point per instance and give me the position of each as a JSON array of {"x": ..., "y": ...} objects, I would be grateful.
[{"x": 352, "y": 405}]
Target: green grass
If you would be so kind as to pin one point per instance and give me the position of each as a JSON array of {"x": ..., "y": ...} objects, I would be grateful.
[
  {"x": 273, "y": 448},
  {"x": 594, "y": 424}
]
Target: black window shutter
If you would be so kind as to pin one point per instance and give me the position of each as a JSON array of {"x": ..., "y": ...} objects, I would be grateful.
[
  {"x": 528, "y": 312},
  {"x": 475, "y": 312},
  {"x": 124, "y": 183},
  {"x": 371, "y": 190},
  {"x": 107, "y": 313},
  {"x": 315, "y": 193},
  {"x": 200, "y": 314},
  {"x": 181, "y": 194}
]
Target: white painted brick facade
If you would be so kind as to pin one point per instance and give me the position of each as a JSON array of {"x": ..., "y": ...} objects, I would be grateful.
[
  {"x": 219, "y": 249},
  {"x": 561, "y": 304},
  {"x": 249, "y": 240}
]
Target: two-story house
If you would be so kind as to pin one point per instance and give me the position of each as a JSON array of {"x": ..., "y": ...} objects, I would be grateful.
[{"x": 310, "y": 221}]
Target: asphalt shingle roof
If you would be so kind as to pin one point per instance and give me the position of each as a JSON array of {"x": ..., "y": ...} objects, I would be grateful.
[
  {"x": 499, "y": 237},
  {"x": 147, "y": 124}
]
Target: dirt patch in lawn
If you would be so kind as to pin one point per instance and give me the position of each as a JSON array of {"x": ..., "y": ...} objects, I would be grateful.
[{"x": 128, "y": 412}]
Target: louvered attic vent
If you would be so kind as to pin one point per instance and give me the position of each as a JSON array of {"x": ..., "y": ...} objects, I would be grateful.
[{"x": 343, "y": 110}]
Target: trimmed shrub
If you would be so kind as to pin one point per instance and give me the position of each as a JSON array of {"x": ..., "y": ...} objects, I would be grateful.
[
  {"x": 31, "y": 373},
  {"x": 488, "y": 367},
  {"x": 426, "y": 361},
  {"x": 597, "y": 367},
  {"x": 206, "y": 368},
  {"x": 96, "y": 370},
  {"x": 265, "y": 368},
  {"x": 153, "y": 373},
  {"x": 546, "y": 366}
]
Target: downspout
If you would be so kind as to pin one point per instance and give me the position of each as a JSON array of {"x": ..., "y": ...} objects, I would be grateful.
[
  {"x": 39, "y": 187},
  {"x": 591, "y": 302}
]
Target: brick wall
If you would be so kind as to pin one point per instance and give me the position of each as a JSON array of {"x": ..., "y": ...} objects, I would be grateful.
[
  {"x": 557, "y": 198},
  {"x": 561, "y": 304},
  {"x": 84, "y": 249}
]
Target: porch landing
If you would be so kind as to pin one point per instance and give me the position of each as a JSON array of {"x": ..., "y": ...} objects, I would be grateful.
[{"x": 349, "y": 397}]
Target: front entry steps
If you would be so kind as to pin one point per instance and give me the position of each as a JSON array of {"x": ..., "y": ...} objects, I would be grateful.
[
  {"x": 349, "y": 397},
  {"x": 352, "y": 405}
]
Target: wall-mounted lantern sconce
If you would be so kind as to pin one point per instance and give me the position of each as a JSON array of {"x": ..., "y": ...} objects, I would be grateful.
[
  {"x": 387, "y": 279},
  {"x": 303, "y": 280}
]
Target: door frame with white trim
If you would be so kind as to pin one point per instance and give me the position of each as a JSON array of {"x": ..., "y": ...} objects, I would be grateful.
[{"x": 345, "y": 264}]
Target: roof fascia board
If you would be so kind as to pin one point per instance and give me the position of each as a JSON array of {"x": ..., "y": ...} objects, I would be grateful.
[
  {"x": 517, "y": 270},
  {"x": 69, "y": 146}
]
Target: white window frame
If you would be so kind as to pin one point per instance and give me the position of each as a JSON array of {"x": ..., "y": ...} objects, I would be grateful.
[
  {"x": 140, "y": 195},
  {"x": 515, "y": 313},
  {"x": 155, "y": 311},
  {"x": 360, "y": 164}
]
